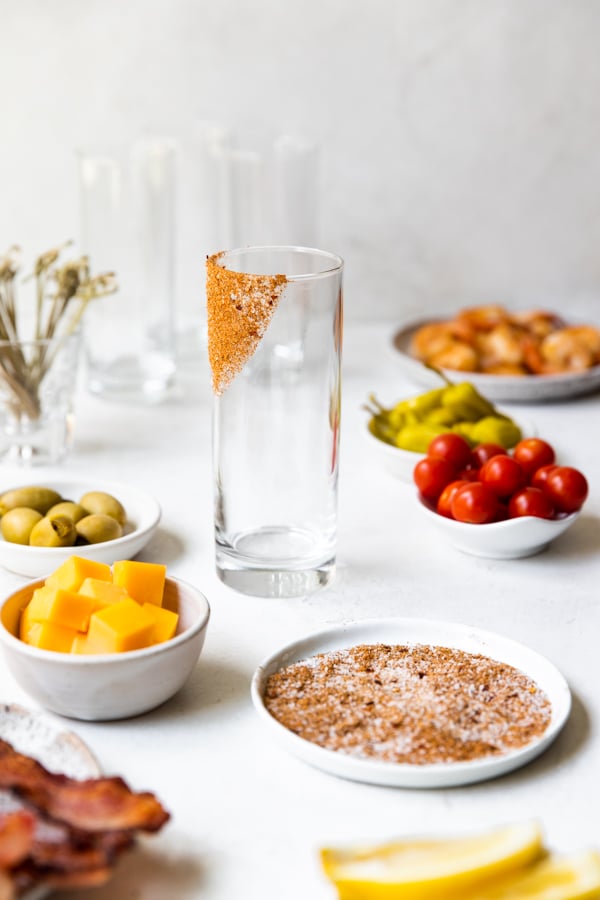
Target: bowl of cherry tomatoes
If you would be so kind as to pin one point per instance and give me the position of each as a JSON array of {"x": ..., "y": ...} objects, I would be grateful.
[{"x": 489, "y": 502}]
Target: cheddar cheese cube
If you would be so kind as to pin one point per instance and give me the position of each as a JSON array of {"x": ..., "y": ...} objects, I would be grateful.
[
  {"x": 143, "y": 581},
  {"x": 26, "y": 623},
  {"x": 71, "y": 574},
  {"x": 60, "y": 607},
  {"x": 48, "y": 636},
  {"x": 80, "y": 644},
  {"x": 165, "y": 622},
  {"x": 125, "y": 625},
  {"x": 102, "y": 592}
]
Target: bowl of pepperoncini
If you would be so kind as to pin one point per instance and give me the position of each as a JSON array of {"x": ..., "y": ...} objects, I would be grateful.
[{"x": 401, "y": 433}]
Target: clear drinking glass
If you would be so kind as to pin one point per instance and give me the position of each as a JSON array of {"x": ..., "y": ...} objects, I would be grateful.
[
  {"x": 265, "y": 190},
  {"x": 276, "y": 421},
  {"x": 127, "y": 227},
  {"x": 37, "y": 385}
]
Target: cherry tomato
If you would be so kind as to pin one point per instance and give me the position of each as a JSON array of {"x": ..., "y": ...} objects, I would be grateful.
[
  {"x": 502, "y": 513},
  {"x": 533, "y": 453},
  {"x": 469, "y": 474},
  {"x": 444, "y": 504},
  {"x": 538, "y": 479},
  {"x": 475, "y": 503},
  {"x": 482, "y": 452},
  {"x": 432, "y": 474},
  {"x": 567, "y": 488},
  {"x": 531, "y": 501},
  {"x": 452, "y": 447},
  {"x": 503, "y": 474}
]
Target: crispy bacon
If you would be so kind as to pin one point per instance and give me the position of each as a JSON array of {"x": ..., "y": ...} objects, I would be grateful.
[
  {"x": 96, "y": 805},
  {"x": 16, "y": 837},
  {"x": 29, "y": 875},
  {"x": 60, "y": 832}
]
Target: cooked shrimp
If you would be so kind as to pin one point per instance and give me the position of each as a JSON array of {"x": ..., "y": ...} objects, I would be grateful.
[
  {"x": 483, "y": 318},
  {"x": 538, "y": 322},
  {"x": 571, "y": 349},
  {"x": 432, "y": 339},
  {"x": 458, "y": 355},
  {"x": 505, "y": 369},
  {"x": 503, "y": 345}
]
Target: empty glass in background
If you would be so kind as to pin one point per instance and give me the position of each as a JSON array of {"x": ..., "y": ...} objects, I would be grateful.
[
  {"x": 264, "y": 189},
  {"x": 128, "y": 227},
  {"x": 276, "y": 434}
]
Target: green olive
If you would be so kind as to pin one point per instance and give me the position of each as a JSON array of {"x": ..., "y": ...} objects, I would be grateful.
[
  {"x": 58, "y": 531},
  {"x": 34, "y": 497},
  {"x": 97, "y": 528},
  {"x": 103, "y": 504},
  {"x": 17, "y": 524},
  {"x": 73, "y": 511}
]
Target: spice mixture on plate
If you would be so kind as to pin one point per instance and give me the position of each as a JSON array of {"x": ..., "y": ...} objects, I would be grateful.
[{"x": 409, "y": 704}]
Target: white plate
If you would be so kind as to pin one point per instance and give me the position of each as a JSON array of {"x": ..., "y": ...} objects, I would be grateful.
[
  {"x": 39, "y": 736},
  {"x": 510, "y": 539},
  {"x": 415, "y": 631},
  {"x": 518, "y": 389},
  {"x": 143, "y": 516}
]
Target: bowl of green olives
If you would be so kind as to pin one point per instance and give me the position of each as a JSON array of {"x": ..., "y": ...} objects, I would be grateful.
[
  {"x": 42, "y": 524},
  {"x": 400, "y": 434}
]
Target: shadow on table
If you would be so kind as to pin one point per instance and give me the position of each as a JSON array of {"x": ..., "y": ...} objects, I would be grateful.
[
  {"x": 148, "y": 873},
  {"x": 212, "y": 686},
  {"x": 163, "y": 547},
  {"x": 582, "y": 539}
]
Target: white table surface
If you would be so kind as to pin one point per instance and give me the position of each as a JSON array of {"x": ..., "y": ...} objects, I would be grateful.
[{"x": 247, "y": 819}]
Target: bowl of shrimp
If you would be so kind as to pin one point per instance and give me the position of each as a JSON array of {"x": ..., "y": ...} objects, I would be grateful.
[{"x": 522, "y": 356}]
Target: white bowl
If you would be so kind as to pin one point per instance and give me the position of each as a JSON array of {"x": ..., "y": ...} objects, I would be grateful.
[
  {"x": 509, "y": 539},
  {"x": 401, "y": 463},
  {"x": 112, "y": 685},
  {"x": 143, "y": 516}
]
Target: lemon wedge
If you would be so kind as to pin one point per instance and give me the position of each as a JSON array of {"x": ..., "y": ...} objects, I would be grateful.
[
  {"x": 440, "y": 869},
  {"x": 575, "y": 877}
]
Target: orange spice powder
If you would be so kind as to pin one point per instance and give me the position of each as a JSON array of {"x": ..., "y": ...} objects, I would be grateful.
[{"x": 240, "y": 307}]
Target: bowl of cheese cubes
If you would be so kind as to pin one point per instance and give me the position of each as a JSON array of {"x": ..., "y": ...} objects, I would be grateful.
[{"x": 98, "y": 642}]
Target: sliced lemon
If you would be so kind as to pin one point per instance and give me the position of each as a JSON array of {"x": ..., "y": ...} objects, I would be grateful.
[
  {"x": 575, "y": 877},
  {"x": 422, "y": 869}
]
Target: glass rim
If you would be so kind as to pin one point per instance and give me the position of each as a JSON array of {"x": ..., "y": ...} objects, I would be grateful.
[{"x": 337, "y": 261}]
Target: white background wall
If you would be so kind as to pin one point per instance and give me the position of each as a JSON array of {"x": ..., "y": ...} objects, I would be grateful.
[{"x": 461, "y": 157}]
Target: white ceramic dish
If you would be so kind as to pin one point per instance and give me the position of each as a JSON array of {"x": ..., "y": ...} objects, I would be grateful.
[
  {"x": 143, "y": 516},
  {"x": 415, "y": 631},
  {"x": 520, "y": 389},
  {"x": 107, "y": 686},
  {"x": 46, "y": 740},
  {"x": 510, "y": 539},
  {"x": 401, "y": 463}
]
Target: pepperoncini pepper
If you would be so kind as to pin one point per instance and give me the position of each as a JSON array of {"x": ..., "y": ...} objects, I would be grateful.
[{"x": 411, "y": 424}]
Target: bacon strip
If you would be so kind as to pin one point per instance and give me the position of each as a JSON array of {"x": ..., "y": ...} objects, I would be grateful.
[
  {"x": 95, "y": 805},
  {"x": 16, "y": 837}
]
